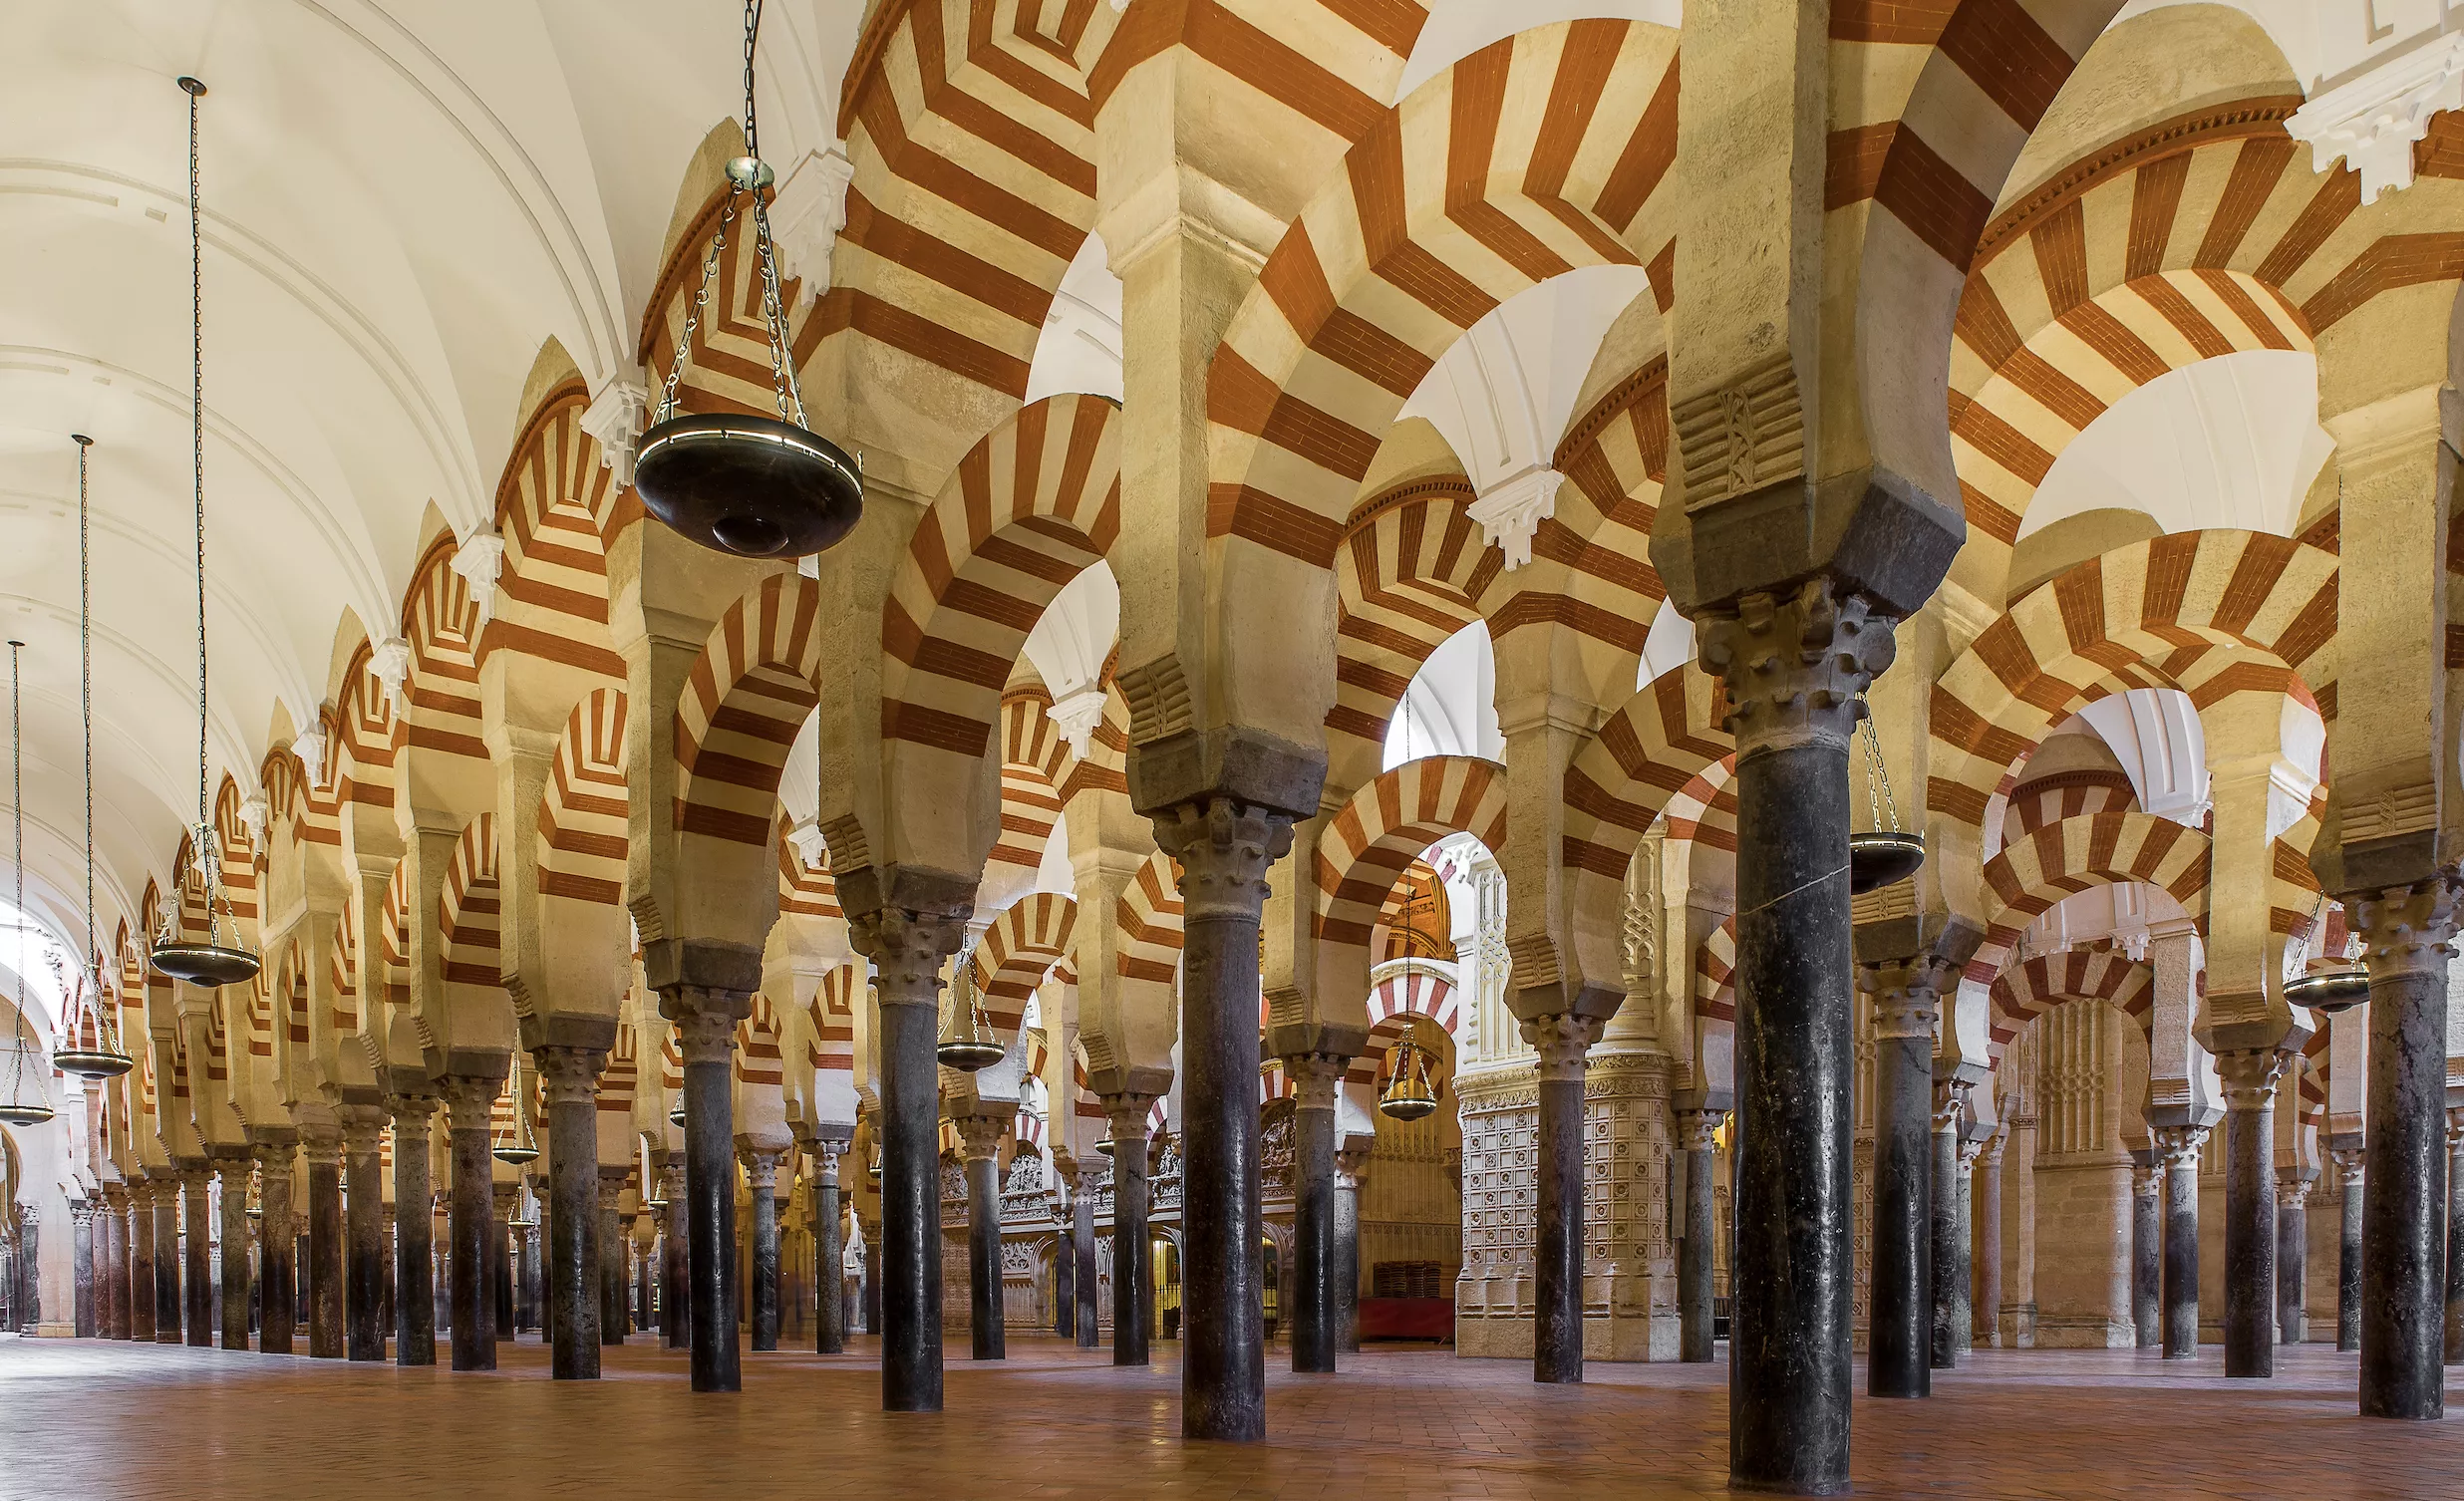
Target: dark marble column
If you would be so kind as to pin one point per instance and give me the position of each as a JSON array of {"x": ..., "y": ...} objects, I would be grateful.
[
  {"x": 981, "y": 1135},
  {"x": 1698, "y": 1132},
  {"x": 2455, "y": 1237},
  {"x": 1225, "y": 849},
  {"x": 1083, "y": 1260},
  {"x": 233, "y": 1170},
  {"x": 26, "y": 1303},
  {"x": 829, "y": 1258},
  {"x": 762, "y": 1172},
  {"x": 2147, "y": 1255},
  {"x": 569, "y": 1083},
  {"x": 170, "y": 1302},
  {"x": 2291, "y": 1258},
  {"x": 1793, "y": 667},
  {"x": 1943, "y": 1219},
  {"x": 907, "y": 948},
  {"x": 143, "y": 1277},
  {"x": 1307, "y": 1298},
  {"x": 415, "y": 1234},
  {"x": 2406, "y": 933},
  {"x": 277, "y": 1250},
  {"x": 111, "y": 1269},
  {"x": 362, "y": 1141},
  {"x": 2179, "y": 1146},
  {"x": 1132, "y": 1298},
  {"x": 1905, "y": 1002},
  {"x": 1350, "y": 1167},
  {"x": 503, "y": 1198},
  {"x": 1064, "y": 1255},
  {"x": 676, "y": 1271},
  {"x": 2250, "y": 1076},
  {"x": 197, "y": 1248},
  {"x": 1985, "y": 1244},
  {"x": 615, "y": 1251},
  {"x": 1962, "y": 1240},
  {"x": 2348, "y": 1166},
  {"x": 1563, "y": 1042},
  {"x": 471, "y": 1103},
  {"x": 322, "y": 1149},
  {"x": 706, "y": 1032},
  {"x": 84, "y": 1318},
  {"x": 529, "y": 1278}
]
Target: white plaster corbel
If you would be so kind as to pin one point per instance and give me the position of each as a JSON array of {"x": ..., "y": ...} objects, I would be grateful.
[
  {"x": 255, "y": 816},
  {"x": 614, "y": 418},
  {"x": 480, "y": 560},
  {"x": 1075, "y": 716},
  {"x": 2374, "y": 121},
  {"x": 810, "y": 847},
  {"x": 1510, "y": 512},
  {"x": 807, "y": 216},
  {"x": 390, "y": 660},
  {"x": 310, "y": 746}
]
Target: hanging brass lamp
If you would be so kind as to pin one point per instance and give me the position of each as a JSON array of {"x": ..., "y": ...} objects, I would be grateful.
[
  {"x": 1882, "y": 855},
  {"x": 519, "y": 1149},
  {"x": 2332, "y": 988},
  {"x": 1408, "y": 1095},
  {"x": 970, "y": 1043},
  {"x": 750, "y": 487},
  {"x": 18, "y": 1110},
  {"x": 107, "y": 1058},
  {"x": 209, "y": 963}
]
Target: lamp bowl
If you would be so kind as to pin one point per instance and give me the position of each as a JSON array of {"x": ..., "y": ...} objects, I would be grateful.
[{"x": 750, "y": 487}]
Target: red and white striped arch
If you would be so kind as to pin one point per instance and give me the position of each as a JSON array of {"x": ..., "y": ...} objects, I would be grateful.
[
  {"x": 1365, "y": 849},
  {"x": 728, "y": 366},
  {"x": 833, "y": 1012},
  {"x": 2027, "y": 991},
  {"x": 2034, "y": 874},
  {"x": 1714, "y": 973},
  {"x": 470, "y": 918},
  {"x": 2067, "y": 794},
  {"x": 802, "y": 890},
  {"x": 759, "y": 1059},
  {"x": 557, "y": 509},
  {"x": 1018, "y": 952},
  {"x": 1626, "y": 778},
  {"x": 621, "y": 1081},
  {"x": 444, "y": 762},
  {"x": 1410, "y": 571},
  {"x": 1034, "y": 760},
  {"x": 743, "y": 703},
  {"x": 1149, "y": 915}
]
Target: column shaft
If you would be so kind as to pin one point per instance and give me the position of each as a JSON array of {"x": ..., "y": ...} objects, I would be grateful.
[
  {"x": 764, "y": 1174},
  {"x": 170, "y": 1300},
  {"x": 2348, "y": 1253},
  {"x": 364, "y": 1307},
  {"x": 414, "y": 1236},
  {"x": 1695, "y": 1338},
  {"x": 196, "y": 1246},
  {"x": 1347, "y": 1251},
  {"x": 143, "y": 1280},
  {"x": 1083, "y": 1268},
  {"x": 1131, "y": 1300},
  {"x": 2147, "y": 1256},
  {"x": 1985, "y": 1317},
  {"x": 2455, "y": 1237},
  {"x": 910, "y": 1247},
  {"x": 569, "y": 1079},
  {"x": 1899, "y": 1337},
  {"x": 829, "y": 1272},
  {"x": 676, "y": 1272},
  {"x": 1308, "y": 1308},
  {"x": 609, "y": 1251},
  {"x": 85, "y": 1303},
  {"x": 2403, "y": 1241},
  {"x": 470, "y": 1219},
  {"x": 277, "y": 1254},
  {"x": 1563, "y": 1042},
  {"x": 706, "y": 1025},
  {"x": 2249, "y": 1210},
  {"x": 326, "y": 1339},
  {"x": 2292, "y": 1262},
  {"x": 1942, "y": 1253},
  {"x": 980, "y": 1132},
  {"x": 232, "y": 1174},
  {"x": 2181, "y": 1281}
]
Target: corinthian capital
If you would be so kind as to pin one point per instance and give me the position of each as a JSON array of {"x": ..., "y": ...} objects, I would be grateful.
[
  {"x": 1224, "y": 848},
  {"x": 1795, "y": 665}
]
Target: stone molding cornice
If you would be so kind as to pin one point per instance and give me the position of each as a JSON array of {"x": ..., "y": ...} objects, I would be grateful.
[
  {"x": 1449, "y": 487},
  {"x": 1652, "y": 375}
]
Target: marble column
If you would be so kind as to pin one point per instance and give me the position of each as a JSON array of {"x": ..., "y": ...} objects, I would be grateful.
[
  {"x": 1064, "y": 1252},
  {"x": 110, "y": 1293},
  {"x": 981, "y": 1135},
  {"x": 1962, "y": 1240},
  {"x": 2406, "y": 942},
  {"x": 26, "y": 1301},
  {"x": 1943, "y": 1217},
  {"x": 612, "y": 1250},
  {"x": 907, "y": 948},
  {"x": 2250, "y": 1076},
  {"x": 569, "y": 1083},
  {"x": 1225, "y": 848},
  {"x": 170, "y": 1298},
  {"x": 829, "y": 1258},
  {"x": 232, "y": 1171},
  {"x": 2147, "y": 1255},
  {"x": 528, "y": 1279},
  {"x": 761, "y": 1173},
  {"x": 501, "y": 1200},
  {"x": 2179, "y": 1147},
  {"x": 470, "y": 1102},
  {"x": 278, "y": 1250},
  {"x": 1985, "y": 1244},
  {"x": 84, "y": 1301},
  {"x": 1563, "y": 1042},
  {"x": 706, "y": 1030},
  {"x": 1350, "y": 1167},
  {"x": 1697, "y": 1138},
  {"x": 414, "y": 1233},
  {"x": 1131, "y": 1300},
  {"x": 1793, "y": 667},
  {"x": 2291, "y": 1258},
  {"x": 363, "y": 1166},
  {"x": 1307, "y": 1298},
  {"x": 2455, "y": 1237},
  {"x": 142, "y": 1275},
  {"x": 196, "y": 1253},
  {"x": 1905, "y": 1004},
  {"x": 1083, "y": 1262},
  {"x": 2349, "y": 1167},
  {"x": 676, "y": 1272},
  {"x": 322, "y": 1149}
]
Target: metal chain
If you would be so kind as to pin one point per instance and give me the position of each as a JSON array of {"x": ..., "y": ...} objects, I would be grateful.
[
  {"x": 693, "y": 314},
  {"x": 1878, "y": 799},
  {"x": 197, "y": 395},
  {"x": 85, "y": 663},
  {"x": 17, "y": 918}
]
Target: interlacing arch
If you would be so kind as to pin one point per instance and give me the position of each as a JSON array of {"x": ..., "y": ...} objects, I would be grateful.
[
  {"x": 1028, "y": 507},
  {"x": 972, "y": 136},
  {"x": 2211, "y": 612},
  {"x": 2029, "y": 989},
  {"x": 1365, "y": 849},
  {"x": 1018, "y": 952},
  {"x": 1530, "y": 157},
  {"x": 2061, "y": 859}
]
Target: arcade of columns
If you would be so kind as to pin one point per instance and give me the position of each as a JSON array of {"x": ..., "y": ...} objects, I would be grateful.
[{"x": 529, "y": 879}]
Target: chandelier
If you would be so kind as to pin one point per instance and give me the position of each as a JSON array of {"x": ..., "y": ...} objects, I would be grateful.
[
  {"x": 106, "y": 1058},
  {"x": 2340, "y": 986},
  {"x": 753, "y": 487},
  {"x": 971, "y": 1042},
  {"x": 1882, "y": 855},
  {"x": 1408, "y": 1094},
  {"x": 209, "y": 963}
]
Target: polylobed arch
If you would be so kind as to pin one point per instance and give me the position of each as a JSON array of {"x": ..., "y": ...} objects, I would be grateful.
[
  {"x": 2031, "y": 876},
  {"x": 1527, "y": 159}
]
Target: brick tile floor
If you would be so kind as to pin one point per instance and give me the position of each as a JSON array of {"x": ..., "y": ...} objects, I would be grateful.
[{"x": 87, "y": 1419}]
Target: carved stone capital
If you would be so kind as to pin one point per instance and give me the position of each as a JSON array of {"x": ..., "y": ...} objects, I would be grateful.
[
  {"x": 907, "y": 948},
  {"x": 1794, "y": 663},
  {"x": 1225, "y": 849},
  {"x": 1315, "y": 1078},
  {"x": 470, "y": 1100},
  {"x": 705, "y": 1021},
  {"x": 1950, "y": 1099},
  {"x": 412, "y": 1113},
  {"x": 980, "y": 1136},
  {"x": 1351, "y": 1162},
  {"x": 277, "y": 1156},
  {"x": 2178, "y": 1146},
  {"x": 2146, "y": 1182},
  {"x": 1907, "y": 995},
  {"x": 1699, "y": 1131},
  {"x": 612, "y": 1185},
  {"x": 2250, "y": 1076},
  {"x": 569, "y": 1076},
  {"x": 363, "y": 1133},
  {"x": 322, "y": 1144},
  {"x": 2408, "y": 930},
  {"x": 1563, "y": 1044},
  {"x": 2348, "y": 1167},
  {"x": 825, "y": 1153},
  {"x": 760, "y": 1169}
]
